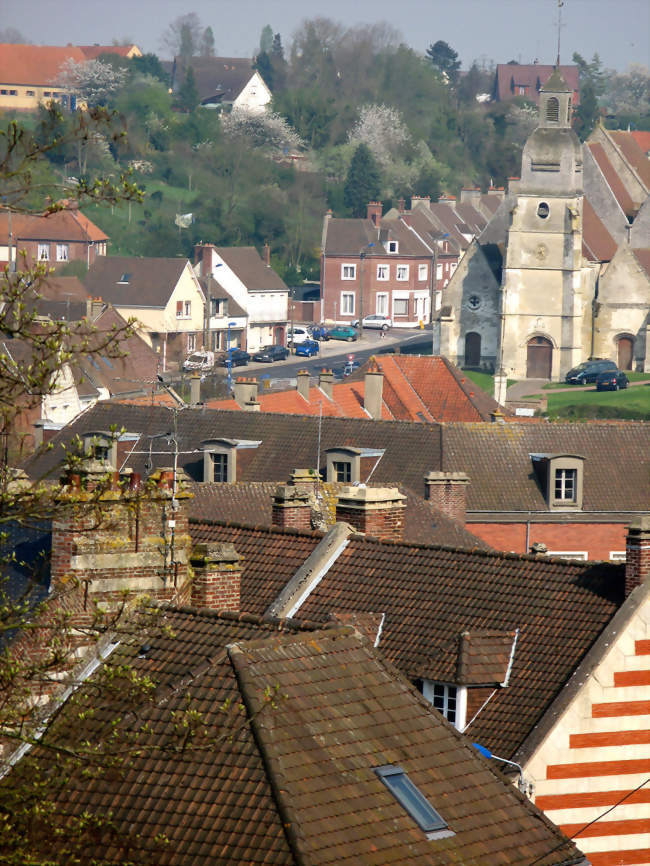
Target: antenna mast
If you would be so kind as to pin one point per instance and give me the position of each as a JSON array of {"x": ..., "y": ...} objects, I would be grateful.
[{"x": 560, "y": 4}]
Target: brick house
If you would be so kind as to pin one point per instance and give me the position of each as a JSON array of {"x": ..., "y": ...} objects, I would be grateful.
[
  {"x": 525, "y": 80},
  {"x": 61, "y": 237}
]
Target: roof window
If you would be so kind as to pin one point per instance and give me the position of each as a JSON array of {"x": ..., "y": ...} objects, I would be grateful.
[
  {"x": 125, "y": 278},
  {"x": 413, "y": 801}
]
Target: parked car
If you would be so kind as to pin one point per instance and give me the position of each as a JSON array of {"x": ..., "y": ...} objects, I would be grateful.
[
  {"x": 589, "y": 371},
  {"x": 382, "y": 323},
  {"x": 308, "y": 348},
  {"x": 320, "y": 332},
  {"x": 344, "y": 332},
  {"x": 611, "y": 380},
  {"x": 350, "y": 367},
  {"x": 238, "y": 358},
  {"x": 298, "y": 335},
  {"x": 199, "y": 361},
  {"x": 271, "y": 353}
]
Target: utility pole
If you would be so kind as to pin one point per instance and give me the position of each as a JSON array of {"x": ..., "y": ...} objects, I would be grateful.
[{"x": 362, "y": 256}]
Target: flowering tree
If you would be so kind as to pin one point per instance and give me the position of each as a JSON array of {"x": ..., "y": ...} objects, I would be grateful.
[
  {"x": 264, "y": 130},
  {"x": 382, "y": 130},
  {"x": 92, "y": 81}
]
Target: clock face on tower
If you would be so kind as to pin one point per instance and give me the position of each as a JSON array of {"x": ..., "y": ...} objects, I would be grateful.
[{"x": 474, "y": 302}]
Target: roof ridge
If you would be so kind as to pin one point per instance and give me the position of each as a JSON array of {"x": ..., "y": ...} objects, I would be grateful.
[{"x": 259, "y": 527}]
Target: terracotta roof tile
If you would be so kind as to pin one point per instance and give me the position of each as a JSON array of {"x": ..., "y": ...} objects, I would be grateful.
[
  {"x": 36, "y": 64},
  {"x": 611, "y": 176},
  {"x": 65, "y": 225},
  {"x": 598, "y": 244},
  {"x": 633, "y": 153}
]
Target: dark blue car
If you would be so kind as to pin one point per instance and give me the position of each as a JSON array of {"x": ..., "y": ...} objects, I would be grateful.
[{"x": 308, "y": 348}]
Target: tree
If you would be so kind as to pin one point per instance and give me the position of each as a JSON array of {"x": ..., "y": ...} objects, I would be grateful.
[
  {"x": 93, "y": 82},
  {"x": 183, "y": 36},
  {"x": 188, "y": 93},
  {"x": 382, "y": 129},
  {"x": 264, "y": 130},
  {"x": 206, "y": 48},
  {"x": 266, "y": 40},
  {"x": 593, "y": 81},
  {"x": 11, "y": 36},
  {"x": 363, "y": 182},
  {"x": 445, "y": 60}
]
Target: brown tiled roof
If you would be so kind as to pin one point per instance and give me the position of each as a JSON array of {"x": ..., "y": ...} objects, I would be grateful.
[
  {"x": 249, "y": 503},
  {"x": 151, "y": 281},
  {"x": 633, "y": 153},
  {"x": 247, "y": 263},
  {"x": 484, "y": 656},
  {"x": 225, "y": 77},
  {"x": 597, "y": 243},
  {"x": 642, "y": 138},
  {"x": 611, "y": 176},
  {"x": 287, "y": 780},
  {"x": 36, "y": 64},
  {"x": 92, "y": 52},
  {"x": 347, "y": 237},
  {"x": 65, "y": 225},
  {"x": 527, "y": 74}
]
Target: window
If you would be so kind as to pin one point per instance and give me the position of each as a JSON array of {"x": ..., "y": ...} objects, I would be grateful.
[
  {"x": 347, "y": 303},
  {"x": 569, "y": 554},
  {"x": 402, "y": 272},
  {"x": 444, "y": 700},
  {"x": 219, "y": 467},
  {"x": 3, "y": 92},
  {"x": 543, "y": 210},
  {"x": 566, "y": 484},
  {"x": 125, "y": 278},
  {"x": 187, "y": 309},
  {"x": 43, "y": 252},
  {"x": 62, "y": 252},
  {"x": 179, "y": 309},
  {"x": 30, "y": 93},
  {"x": 47, "y": 93},
  {"x": 348, "y": 272},
  {"x": 383, "y": 272},
  {"x": 522, "y": 90},
  {"x": 413, "y": 801},
  {"x": 393, "y": 247},
  {"x": 423, "y": 272},
  {"x": 381, "y": 307},
  {"x": 13, "y": 93},
  {"x": 452, "y": 268},
  {"x": 553, "y": 110},
  {"x": 617, "y": 556},
  {"x": 342, "y": 471},
  {"x": 400, "y": 307},
  {"x": 191, "y": 342},
  {"x": 438, "y": 272}
]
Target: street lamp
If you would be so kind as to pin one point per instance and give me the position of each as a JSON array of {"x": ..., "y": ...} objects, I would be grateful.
[
  {"x": 523, "y": 787},
  {"x": 362, "y": 256},
  {"x": 228, "y": 355}
]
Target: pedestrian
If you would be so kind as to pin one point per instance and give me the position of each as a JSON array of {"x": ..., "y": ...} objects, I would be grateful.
[{"x": 382, "y": 334}]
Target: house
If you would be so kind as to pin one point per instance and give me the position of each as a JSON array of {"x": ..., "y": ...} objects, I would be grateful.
[
  {"x": 58, "y": 238},
  {"x": 390, "y": 387},
  {"x": 527, "y": 297},
  {"x": 315, "y": 774},
  {"x": 164, "y": 295},
  {"x": 30, "y": 74},
  {"x": 252, "y": 284},
  {"x": 527, "y": 79},
  {"x": 223, "y": 82},
  {"x": 571, "y": 487}
]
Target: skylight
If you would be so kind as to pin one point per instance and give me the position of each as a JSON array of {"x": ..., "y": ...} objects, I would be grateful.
[
  {"x": 413, "y": 801},
  {"x": 125, "y": 278}
]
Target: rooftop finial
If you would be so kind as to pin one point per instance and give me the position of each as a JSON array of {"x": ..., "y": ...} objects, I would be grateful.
[{"x": 560, "y": 4}]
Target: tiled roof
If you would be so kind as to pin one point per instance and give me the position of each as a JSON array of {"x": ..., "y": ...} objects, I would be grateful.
[
  {"x": 633, "y": 153},
  {"x": 36, "y": 64},
  {"x": 643, "y": 258},
  {"x": 150, "y": 281},
  {"x": 65, "y": 225},
  {"x": 497, "y": 458},
  {"x": 286, "y": 779},
  {"x": 597, "y": 243},
  {"x": 92, "y": 52},
  {"x": 611, "y": 176},
  {"x": 249, "y": 266},
  {"x": 642, "y": 138},
  {"x": 347, "y": 237},
  {"x": 528, "y": 75},
  {"x": 225, "y": 77},
  {"x": 250, "y": 503}
]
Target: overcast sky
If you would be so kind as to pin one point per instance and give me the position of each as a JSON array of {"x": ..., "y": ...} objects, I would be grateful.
[{"x": 499, "y": 30}]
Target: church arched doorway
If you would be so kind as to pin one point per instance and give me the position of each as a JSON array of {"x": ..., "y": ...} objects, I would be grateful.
[
  {"x": 472, "y": 349},
  {"x": 625, "y": 352},
  {"x": 539, "y": 358}
]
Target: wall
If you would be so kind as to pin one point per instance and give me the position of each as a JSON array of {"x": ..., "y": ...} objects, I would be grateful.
[
  {"x": 599, "y": 540},
  {"x": 255, "y": 95}
]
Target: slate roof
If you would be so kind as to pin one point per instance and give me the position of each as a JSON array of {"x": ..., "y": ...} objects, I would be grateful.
[
  {"x": 65, "y": 225},
  {"x": 431, "y": 594},
  {"x": 249, "y": 266},
  {"x": 287, "y": 780},
  {"x": 92, "y": 52},
  {"x": 250, "y": 503},
  {"x": 150, "y": 283}
]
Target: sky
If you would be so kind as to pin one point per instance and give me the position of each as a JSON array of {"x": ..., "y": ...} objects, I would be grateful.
[{"x": 498, "y": 30}]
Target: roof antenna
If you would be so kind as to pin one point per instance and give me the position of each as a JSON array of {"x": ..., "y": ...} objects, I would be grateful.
[{"x": 560, "y": 4}]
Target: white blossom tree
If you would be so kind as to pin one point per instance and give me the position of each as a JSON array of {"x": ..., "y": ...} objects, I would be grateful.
[
  {"x": 264, "y": 130},
  {"x": 92, "y": 81},
  {"x": 382, "y": 129}
]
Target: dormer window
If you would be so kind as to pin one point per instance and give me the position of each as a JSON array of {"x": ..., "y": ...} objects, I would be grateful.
[
  {"x": 450, "y": 700},
  {"x": 220, "y": 460},
  {"x": 343, "y": 465},
  {"x": 560, "y": 477},
  {"x": 100, "y": 446},
  {"x": 392, "y": 247}
]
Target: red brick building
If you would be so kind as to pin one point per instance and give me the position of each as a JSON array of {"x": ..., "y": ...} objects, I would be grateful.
[{"x": 61, "y": 237}]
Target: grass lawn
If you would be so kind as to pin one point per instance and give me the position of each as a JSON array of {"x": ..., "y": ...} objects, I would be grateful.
[
  {"x": 484, "y": 380},
  {"x": 633, "y": 377},
  {"x": 630, "y": 403}
]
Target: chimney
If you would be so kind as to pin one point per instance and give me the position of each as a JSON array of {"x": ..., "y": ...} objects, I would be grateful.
[
  {"x": 374, "y": 211},
  {"x": 291, "y": 508},
  {"x": 217, "y": 576},
  {"x": 637, "y": 553},
  {"x": 420, "y": 201},
  {"x": 326, "y": 222},
  {"x": 373, "y": 390},
  {"x": 498, "y": 191},
  {"x": 306, "y": 480},
  {"x": 326, "y": 383},
  {"x": 376, "y": 511},
  {"x": 302, "y": 383},
  {"x": 245, "y": 393},
  {"x": 94, "y": 308},
  {"x": 447, "y": 493},
  {"x": 203, "y": 256},
  {"x": 401, "y": 205},
  {"x": 447, "y": 199},
  {"x": 195, "y": 389},
  {"x": 470, "y": 195},
  {"x": 267, "y": 255},
  {"x": 500, "y": 386}
]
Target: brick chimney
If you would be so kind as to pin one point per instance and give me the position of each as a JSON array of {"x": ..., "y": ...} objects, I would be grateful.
[
  {"x": 373, "y": 390},
  {"x": 267, "y": 255},
  {"x": 637, "y": 553},
  {"x": 374, "y": 212},
  {"x": 326, "y": 383},
  {"x": 291, "y": 508},
  {"x": 204, "y": 257},
  {"x": 195, "y": 389},
  {"x": 217, "y": 576},
  {"x": 401, "y": 205},
  {"x": 245, "y": 394},
  {"x": 447, "y": 493},
  {"x": 376, "y": 511},
  {"x": 302, "y": 383},
  {"x": 305, "y": 480}
]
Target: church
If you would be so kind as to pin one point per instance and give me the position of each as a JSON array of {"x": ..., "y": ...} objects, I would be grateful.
[{"x": 561, "y": 273}]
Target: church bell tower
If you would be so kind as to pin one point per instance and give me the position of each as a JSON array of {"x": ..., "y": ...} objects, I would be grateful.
[{"x": 542, "y": 285}]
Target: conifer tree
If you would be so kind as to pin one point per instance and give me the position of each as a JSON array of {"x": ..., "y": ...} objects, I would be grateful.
[{"x": 363, "y": 182}]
